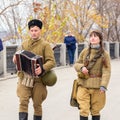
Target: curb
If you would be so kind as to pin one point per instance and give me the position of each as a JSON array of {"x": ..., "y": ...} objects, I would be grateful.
[{"x": 8, "y": 77}]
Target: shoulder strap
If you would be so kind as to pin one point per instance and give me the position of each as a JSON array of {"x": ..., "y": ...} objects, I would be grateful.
[{"x": 93, "y": 61}]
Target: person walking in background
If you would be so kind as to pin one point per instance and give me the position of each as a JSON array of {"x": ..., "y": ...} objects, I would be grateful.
[
  {"x": 94, "y": 69},
  {"x": 37, "y": 91},
  {"x": 70, "y": 42},
  {"x": 1, "y": 45}
]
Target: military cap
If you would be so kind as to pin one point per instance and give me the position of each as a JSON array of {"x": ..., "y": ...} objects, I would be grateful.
[
  {"x": 98, "y": 32},
  {"x": 35, "y": 22}
]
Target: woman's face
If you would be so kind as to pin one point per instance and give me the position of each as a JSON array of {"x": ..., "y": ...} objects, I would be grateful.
[{"x": 94, "y": 39}]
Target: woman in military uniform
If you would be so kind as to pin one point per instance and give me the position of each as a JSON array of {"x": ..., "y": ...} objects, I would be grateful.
[
  {"x": 94, "y": 69},
  {"x": 37, "y": 91}
]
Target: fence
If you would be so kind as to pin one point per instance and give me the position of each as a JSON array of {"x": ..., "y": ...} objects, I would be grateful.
[{"x": 60, "y": 52}]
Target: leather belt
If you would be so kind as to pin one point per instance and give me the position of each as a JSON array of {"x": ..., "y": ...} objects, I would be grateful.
[{"x": 94, "y": 76}]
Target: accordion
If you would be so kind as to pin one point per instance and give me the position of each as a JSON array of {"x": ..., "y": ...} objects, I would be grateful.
[{"x": 27, "y": 62}]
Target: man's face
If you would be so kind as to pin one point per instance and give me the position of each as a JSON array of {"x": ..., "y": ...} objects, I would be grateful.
[{"x": 35, "y": 32}]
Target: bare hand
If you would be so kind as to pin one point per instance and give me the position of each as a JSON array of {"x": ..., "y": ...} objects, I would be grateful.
[
  {"x": 38, "y": 70},
  {"x": 84, "y": 70},
  {"x": 14, "y": 59},
  {"x": 102, "y": 91}
]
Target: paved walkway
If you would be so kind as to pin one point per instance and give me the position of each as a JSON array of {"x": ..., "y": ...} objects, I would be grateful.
[{"x": 56, "y": 106}]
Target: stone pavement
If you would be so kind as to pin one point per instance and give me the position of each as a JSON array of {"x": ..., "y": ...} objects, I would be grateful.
[{"x": 56, "y": 106}]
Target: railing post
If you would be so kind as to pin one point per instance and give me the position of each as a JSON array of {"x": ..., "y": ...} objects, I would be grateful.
[
  {"x": 76, "y": 52},
  {"x": 107, "y": 46},
  {"x": 117, "y": 49},
  {"x": 63, "y": 54},
  {"x": 4, "y": 60}
]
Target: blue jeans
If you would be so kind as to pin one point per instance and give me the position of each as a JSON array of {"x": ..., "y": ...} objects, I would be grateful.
[{"x": 71, "y": 53}]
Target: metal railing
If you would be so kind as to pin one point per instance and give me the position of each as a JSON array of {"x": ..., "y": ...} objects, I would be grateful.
[{"x": 60, "y": 52}]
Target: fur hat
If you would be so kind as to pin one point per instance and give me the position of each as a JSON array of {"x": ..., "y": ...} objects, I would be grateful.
[
  {"x": 98, "y": 33},
  {"x": 35, "y": 22}
]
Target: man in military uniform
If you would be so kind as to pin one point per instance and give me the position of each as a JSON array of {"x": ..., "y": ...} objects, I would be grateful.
[
  {"x": 37, "y": 91},
  {"x": 94, "y": 69}
]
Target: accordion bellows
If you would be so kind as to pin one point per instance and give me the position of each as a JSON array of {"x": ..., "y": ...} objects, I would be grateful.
[{"x": 27, "y": 62}]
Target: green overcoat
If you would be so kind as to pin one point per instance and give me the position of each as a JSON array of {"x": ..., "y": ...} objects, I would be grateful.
[
  {"x": 98, "y": 69},
  {"x": 42, "y": 48}
]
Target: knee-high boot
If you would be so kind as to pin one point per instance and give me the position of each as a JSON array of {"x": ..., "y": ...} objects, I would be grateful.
[
  {"x": 83, "y": 118},
  {"x": 37, "y": 117},
  {"x": 23, "y": 116},
  {"x": 96, "y": 117}
]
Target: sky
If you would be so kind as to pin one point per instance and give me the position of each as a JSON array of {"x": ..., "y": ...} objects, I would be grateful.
[
  {"x": 22, "y": 8},
  {"x": 4, "y": 3}
]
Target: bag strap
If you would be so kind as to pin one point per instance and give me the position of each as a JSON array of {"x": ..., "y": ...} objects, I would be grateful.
[{"x": 90, "y": 64}]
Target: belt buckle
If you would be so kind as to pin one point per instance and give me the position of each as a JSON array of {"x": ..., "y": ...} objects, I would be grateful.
[{"x": 94, "y": 76}]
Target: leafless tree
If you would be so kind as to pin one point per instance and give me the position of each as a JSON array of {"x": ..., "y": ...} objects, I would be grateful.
[{"x": 12, "y": 16}]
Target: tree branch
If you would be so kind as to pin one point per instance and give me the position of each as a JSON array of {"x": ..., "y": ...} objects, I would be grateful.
[{"x": 10, "y": 6}]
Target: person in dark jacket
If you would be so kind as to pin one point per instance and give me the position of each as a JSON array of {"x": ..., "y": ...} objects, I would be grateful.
[
  {"x": 1, "y": 45},
  {"x": 70, "y": 42}
]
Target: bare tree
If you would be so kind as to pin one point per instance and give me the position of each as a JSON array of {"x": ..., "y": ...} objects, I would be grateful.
[
  {"x": 13, "y": 16},
  {"x": 9, "y": 6},
  {"x": 79, "y": 16},
  {"x": 110, "y": 9}
]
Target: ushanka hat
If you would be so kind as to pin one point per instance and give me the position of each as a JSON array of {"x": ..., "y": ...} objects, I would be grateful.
[
  {"x": 35, "y": 22},
  {"x": 98, "y": 33}
]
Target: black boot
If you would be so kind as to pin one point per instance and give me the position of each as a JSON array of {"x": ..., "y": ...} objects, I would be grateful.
[
  {"x": 96, "y": 117},
  {"x": 37, "y": 117},
  {"x": 23, "y": 116},
  {"x": 83, "y": 118}
]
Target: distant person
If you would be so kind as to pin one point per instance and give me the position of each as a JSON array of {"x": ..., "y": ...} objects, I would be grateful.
[
  {"x": 1, "y": 45},
  {"x": 70, "y": 42},
  {"x": 94, "y": 69}
]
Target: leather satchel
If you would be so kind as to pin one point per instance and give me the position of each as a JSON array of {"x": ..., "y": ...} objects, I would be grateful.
[{"x": 73, "y": 99}]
